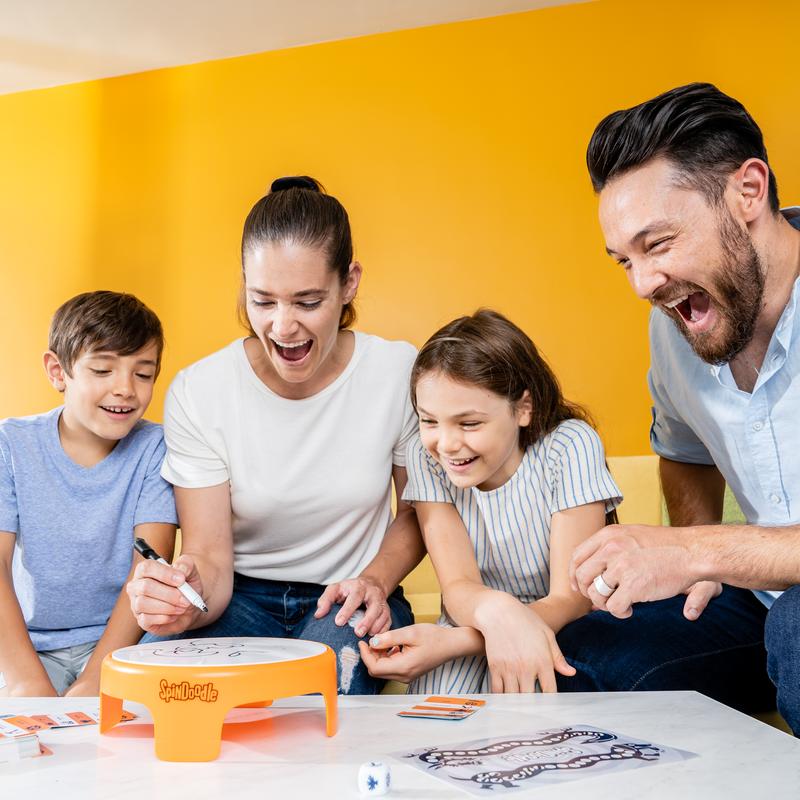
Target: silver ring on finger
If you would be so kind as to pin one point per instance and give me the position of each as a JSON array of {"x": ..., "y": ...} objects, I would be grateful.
[{"x": 602, "y": 587}]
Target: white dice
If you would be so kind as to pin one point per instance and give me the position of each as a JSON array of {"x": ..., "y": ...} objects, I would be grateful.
[{"x": 374, "y": 779}]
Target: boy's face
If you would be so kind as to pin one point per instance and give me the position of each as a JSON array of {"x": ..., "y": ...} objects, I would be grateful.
[{"x": 107, "y": 393}]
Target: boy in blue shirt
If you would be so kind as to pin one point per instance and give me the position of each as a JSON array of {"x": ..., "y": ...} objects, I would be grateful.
[{"x": 77, "y": 484}]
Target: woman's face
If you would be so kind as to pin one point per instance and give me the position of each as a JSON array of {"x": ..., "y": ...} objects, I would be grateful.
[
  {"x": 472, "y": 432},
  {"x": 294, "y": 303}
]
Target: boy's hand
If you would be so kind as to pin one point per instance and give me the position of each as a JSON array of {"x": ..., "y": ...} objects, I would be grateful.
[
  {"x": 37, "y": 688},
  {"x": 156, "y": 603},
  {"x": 520, "y": 648},
  {"x": 83, "y": 687}
]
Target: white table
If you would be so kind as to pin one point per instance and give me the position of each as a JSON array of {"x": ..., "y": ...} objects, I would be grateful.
[{"x": 282, "y": 752}]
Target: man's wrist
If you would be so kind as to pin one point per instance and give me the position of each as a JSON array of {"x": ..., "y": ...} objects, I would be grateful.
[{"x": 702, "y": 565}]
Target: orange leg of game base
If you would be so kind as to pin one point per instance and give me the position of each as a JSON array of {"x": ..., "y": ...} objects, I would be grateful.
[
  {"x": 110, "y": 712},
  {"x": 192, "y": 736}
]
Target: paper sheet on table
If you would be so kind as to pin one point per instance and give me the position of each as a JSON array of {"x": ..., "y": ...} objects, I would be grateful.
[{"x": 544, "y": 758}]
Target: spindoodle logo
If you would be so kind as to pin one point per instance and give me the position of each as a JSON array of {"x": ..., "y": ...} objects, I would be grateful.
[{"x": 187, "y": 691}]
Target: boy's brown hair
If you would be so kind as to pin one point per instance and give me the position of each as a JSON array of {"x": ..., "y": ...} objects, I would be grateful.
[{"x": 103, "y": 320}]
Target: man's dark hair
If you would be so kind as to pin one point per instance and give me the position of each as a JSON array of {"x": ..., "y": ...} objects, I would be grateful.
[
  {"x": 103, "y": 320},
  {"x": 703, "y": 132}
]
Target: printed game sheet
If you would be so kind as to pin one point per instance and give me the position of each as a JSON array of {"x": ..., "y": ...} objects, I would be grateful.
[{"x": 544, "y": 758}]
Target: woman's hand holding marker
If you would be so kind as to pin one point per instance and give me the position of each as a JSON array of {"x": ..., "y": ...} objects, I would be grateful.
[
  {"x": 156, "y": 601},
  {"x": 352, "y": 594},
  {"x": 520, "y": 647}
]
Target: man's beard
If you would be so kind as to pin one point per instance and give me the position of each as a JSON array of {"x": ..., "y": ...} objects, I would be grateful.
[{"x": 736, "y": 291}]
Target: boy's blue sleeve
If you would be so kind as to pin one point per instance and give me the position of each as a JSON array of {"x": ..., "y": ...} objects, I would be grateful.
[
  {"x": 9, "y": 514},
  {"x": 156, "y": 499}
]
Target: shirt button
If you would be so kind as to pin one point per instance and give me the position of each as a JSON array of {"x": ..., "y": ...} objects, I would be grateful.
[
  {"x": 757, "y": 426},
  {"x": 775, "y": 499}
]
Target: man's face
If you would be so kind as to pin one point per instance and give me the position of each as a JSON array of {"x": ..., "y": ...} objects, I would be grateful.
[{"x": 692, "y": 260}]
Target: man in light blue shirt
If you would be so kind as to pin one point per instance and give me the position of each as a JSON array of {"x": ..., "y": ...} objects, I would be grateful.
[{"x": 689, "y": 208}]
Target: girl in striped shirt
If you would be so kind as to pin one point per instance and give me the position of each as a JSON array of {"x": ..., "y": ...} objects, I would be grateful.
[{"x": 507, "y": 478}]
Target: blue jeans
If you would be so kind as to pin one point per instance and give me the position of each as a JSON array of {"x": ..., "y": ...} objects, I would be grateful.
[
  {"x": 782, "y": 636},
  {"x": 721, "y": 654},
  {"x": 286, "y": 611}
]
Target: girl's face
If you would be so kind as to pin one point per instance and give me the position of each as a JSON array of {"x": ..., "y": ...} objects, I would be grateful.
[
  {"x": 472, "y": 432},
  {"x": 294, "y": 302}
]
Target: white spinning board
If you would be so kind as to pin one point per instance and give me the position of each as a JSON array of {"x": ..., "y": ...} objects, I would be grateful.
[{"x": 220, "y": 652}]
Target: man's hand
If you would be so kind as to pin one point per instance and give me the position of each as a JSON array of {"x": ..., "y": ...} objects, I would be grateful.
[
  {"x": 155, "y": 600},
  {"x": 640, "y": 563},
  {"x": 698, "y": 597},
  {"x": 351, "y": 595}
]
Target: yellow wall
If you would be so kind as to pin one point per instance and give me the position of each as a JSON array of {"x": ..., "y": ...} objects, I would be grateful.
[{"x": 457, "y": 149}]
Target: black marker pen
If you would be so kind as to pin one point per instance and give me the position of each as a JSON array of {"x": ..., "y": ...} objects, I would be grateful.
[{"x": 190, "y": 594}]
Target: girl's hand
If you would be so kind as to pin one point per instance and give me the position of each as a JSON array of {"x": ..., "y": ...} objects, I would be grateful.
[
  {"x": 352, "y": 594},
  {"x": 155, "y": 600},
  {"x": 406, "y": 653},
  {"x": 520, "y": 647}
]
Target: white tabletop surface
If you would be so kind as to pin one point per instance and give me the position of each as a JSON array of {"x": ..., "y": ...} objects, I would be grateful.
[
  {"x": 282, "y": 752},
  {"x": 219, "y": 652}
]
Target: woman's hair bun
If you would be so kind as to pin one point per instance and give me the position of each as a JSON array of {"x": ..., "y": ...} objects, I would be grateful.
[{"x": 296, "y": 182}]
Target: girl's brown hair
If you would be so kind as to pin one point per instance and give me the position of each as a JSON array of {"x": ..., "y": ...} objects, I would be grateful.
[
  {"x": 488, "y": 350},
  {"x": 298, "y": 210}
]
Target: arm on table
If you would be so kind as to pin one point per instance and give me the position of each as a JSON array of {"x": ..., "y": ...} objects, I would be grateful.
[
  {"x": 520, "y": 646},
  {"x": 400, "y": 551},
  {"x": 23, "y": 671},
  {"x": 406, "y": 653},
  {"x": 648, "y": 563},
  {"x": 122, "y": 629},
  {"x": 206, "y": 563}
]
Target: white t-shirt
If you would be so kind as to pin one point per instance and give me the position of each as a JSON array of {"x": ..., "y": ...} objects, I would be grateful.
[{"x": 310, "y": 479}]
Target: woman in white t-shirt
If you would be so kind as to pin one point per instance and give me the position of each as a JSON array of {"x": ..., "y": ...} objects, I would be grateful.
[{"x": 283, "y": 447}]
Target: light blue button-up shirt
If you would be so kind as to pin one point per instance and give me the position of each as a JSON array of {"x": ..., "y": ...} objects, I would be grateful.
[{"x": 700, "y": 416}]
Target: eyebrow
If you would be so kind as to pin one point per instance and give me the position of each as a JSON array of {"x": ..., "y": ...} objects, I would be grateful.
[
  {"x": 303, "y": 293},
  {"x": 113, "y": 357},
  {"x": 642, "y": 234},
  {"x": 470, "y": 413}
]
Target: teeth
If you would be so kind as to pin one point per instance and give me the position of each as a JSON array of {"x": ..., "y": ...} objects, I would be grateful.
[
  {"x": 118, "y": 409},
  {"x": 291, "y": 345},
  {"x": 676, "y": 302},
  {"x": 457, "y": 462}
]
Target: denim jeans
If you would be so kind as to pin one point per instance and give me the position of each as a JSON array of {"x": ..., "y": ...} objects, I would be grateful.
[
  {"x": 286, "y": 610},
  {"x": 782, "y": 637},
  {"x": 721, "y": 654}
]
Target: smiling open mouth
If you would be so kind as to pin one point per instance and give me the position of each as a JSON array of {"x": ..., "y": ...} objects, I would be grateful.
[
  {"x": 119, "y": 411},
  {"x": 293, "y": 351},
  {"x": 461, "y": 462},
  {"x": 693, "y": 308}
]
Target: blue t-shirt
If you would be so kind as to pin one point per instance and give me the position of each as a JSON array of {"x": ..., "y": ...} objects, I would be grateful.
[{"x": 75, "y": 525}]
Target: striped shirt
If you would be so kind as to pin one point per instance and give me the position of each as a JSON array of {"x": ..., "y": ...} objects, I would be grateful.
[{"x": 509, "y": 527}]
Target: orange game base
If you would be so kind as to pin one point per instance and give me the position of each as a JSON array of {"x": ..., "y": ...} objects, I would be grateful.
[{"x": 189, "y": 703}]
